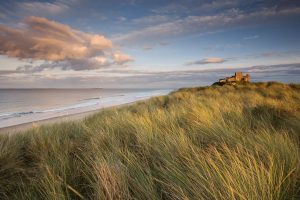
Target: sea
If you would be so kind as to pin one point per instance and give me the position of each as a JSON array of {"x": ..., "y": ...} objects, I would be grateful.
[{"x": 19, "y": 106}]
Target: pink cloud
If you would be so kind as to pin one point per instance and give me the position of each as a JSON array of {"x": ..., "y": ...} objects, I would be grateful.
[
  {"x": 42, "y": 39},
  {"x": 207, "y": 61},
  {"x": 121, "y": 58}
]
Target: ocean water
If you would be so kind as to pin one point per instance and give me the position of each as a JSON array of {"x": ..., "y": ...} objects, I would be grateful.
[{"x": 18, "y": 106}]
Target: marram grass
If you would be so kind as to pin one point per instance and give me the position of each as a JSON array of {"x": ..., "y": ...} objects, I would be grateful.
[{"x": 231, "y": 142}]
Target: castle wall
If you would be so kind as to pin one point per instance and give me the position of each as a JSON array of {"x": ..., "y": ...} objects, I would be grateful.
[{"x": 238, "y": 76}]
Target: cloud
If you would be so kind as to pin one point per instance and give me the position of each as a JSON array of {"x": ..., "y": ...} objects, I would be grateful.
[
  {"x": 14, "y": 10},
  {"x": 148, "y": 47},
  {"x": 203, "y": 24},
  {"x": 5, "y": 72},
  {"x": 172, "y": 8},
  {"x": 200, "y": 6},
  {"x": 219, "y": 4},
  {"x": 122, "y": 19},
  {"x": 76, "y": 65},
  {"x": 164, "y": 43},
  {"x": 41, "y": 39},
  {"x": 119, "y": 78},
  {"x": 251, "y": 37},
  {"x": 153, "y": 45},
  {"x": 293, "y": 68},
  {"x": 268, "y": 54},
  {"x": 43, "y": 7},
  {"x": 222, "y": 47},
  {"x": 207, "y": 61},
  {"x": 121, "y": 58},
  {"x": 54, "y": 8},
  {"x": 93, "y": 63},
  {"x": 2, "y": 16},
  {"x": 152, "y": 20}
]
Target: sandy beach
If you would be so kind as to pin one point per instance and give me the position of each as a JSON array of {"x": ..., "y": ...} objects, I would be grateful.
[
  {"x": 23, "y": 127},
  {"x": 73, "y": 112},
  {"x": 71, "y": 117}
]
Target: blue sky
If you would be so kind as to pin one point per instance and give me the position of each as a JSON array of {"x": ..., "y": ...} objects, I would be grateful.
[{"x": 130, "y": 43}]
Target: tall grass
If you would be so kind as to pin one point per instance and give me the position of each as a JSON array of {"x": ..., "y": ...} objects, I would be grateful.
[{"x": 230, "y": 142}]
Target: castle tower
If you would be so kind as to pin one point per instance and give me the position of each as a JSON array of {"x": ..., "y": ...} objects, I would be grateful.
[
  {"x": 247, "y": 78},
  {"x": 238, "y": 76}
]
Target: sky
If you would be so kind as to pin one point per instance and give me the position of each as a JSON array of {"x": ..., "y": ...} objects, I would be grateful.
[{"x": 146, "y": 43}]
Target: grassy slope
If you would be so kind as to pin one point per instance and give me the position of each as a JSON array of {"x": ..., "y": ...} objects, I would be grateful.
[{"x": 231, "y": 142}]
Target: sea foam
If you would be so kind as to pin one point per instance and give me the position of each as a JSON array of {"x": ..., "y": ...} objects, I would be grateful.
[{"x": 83, "y": 105}]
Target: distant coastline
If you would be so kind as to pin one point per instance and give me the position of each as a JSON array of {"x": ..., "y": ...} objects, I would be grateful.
[
  {"x": 66, "y": 118},
  {"x": 81, "y": 105}
]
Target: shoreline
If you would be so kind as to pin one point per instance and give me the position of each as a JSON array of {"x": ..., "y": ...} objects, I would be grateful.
[
  {"x": 14, "y": 129},
  {"x": 73, "y": 116},
  {"x": 25, "y": 126}
]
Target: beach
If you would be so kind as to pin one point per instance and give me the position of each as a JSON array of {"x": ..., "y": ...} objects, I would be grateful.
[
  {"x": 25, "y": 126},
  {"x": 20, "y": 121}
]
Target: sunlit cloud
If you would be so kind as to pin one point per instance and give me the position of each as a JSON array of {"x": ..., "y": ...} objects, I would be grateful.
[
  {"x": 121, "y": 58},
  {"x": 212, "y": 60},
  {"x": 42, "y": 39}
]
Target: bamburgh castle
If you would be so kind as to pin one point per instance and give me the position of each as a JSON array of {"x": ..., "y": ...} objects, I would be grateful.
[{"x": 238, "y": 77}]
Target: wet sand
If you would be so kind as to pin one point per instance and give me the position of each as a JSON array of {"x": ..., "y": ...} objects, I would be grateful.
[
  {"x": 72, "y": 117},
  {"x": 13, "y": 128}
]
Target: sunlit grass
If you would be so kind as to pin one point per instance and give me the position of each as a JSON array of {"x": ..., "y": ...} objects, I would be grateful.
[{"x": 230, "y": 142}]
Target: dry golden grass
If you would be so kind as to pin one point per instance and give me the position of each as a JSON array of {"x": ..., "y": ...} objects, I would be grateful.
[{"x": 230, "y": 142}]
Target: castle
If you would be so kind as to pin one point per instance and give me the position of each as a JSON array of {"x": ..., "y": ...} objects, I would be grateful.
[{"x": 238, "y": 77}]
